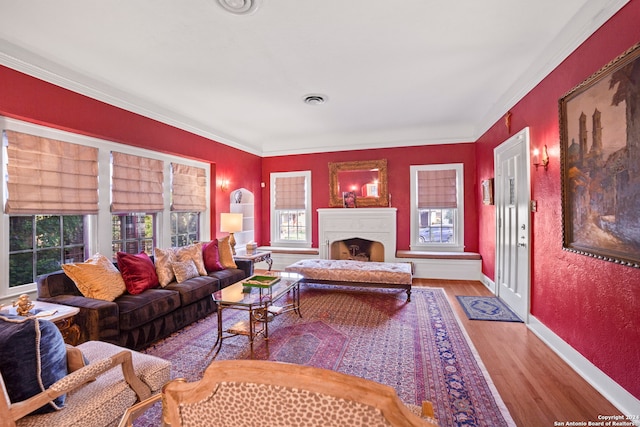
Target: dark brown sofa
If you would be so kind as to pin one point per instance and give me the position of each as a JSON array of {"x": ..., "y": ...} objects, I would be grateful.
[{"x": 135, "y": 321}]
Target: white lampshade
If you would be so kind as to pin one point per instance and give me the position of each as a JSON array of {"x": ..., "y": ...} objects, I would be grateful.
[{"x": 230, "y": 222}]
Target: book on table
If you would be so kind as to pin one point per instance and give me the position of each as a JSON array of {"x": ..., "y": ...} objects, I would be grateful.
[
  {"x": 239, "y": 328},
  {"x": 259, "y": 281},
  {"x": 275, "y": 309}
]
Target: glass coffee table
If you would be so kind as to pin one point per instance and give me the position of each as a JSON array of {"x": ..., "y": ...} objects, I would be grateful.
[{"x": 258, "y": 295}]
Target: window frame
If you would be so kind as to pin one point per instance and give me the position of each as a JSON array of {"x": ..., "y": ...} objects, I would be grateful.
[
  {"x": 98, "y": 232},
  {"x": 274, "y": 224},
  {"x": 125, "y": 238},
  {"x": 457, "y": 245},
  {"x": 175, "y": 237},
  {"x": 61, "y": 248}
]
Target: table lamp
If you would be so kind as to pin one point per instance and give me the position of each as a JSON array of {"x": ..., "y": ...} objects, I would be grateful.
[{"x": 231, "y": 223}]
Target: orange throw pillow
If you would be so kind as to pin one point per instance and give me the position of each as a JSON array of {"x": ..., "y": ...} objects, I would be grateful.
[
  {"x": 226, "y": 255},
  {"x": 96, "y": 278}
]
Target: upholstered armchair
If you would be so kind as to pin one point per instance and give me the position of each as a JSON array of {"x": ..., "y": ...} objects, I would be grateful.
[
  {"x": 96, "y": 394},
  {"x": 239, "y": 393}
]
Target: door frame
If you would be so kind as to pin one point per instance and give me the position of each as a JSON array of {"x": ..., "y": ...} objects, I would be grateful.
[{"x": 521, "y": 137}]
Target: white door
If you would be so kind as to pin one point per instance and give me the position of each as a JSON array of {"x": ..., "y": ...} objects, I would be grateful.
[{"x": 512, "y": 194}]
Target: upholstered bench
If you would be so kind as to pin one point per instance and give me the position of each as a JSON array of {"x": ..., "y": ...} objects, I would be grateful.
[{"x": 355, "y": 273}]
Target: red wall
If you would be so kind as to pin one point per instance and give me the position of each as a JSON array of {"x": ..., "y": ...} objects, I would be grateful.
[
  {"x": 591, "y": 304},
  {"x": 398, "y": 162},
  {"x": 30, "y": 99}
]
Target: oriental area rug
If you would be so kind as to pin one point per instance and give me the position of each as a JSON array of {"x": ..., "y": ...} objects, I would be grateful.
[{"x": 417, "y": 347}]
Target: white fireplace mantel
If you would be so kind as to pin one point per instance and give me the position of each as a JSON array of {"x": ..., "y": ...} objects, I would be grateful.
[{"x": 377, "y": 224}]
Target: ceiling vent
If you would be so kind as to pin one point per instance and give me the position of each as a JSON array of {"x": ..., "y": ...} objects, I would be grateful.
[
  {"x": 239, "y": 7},
  {"x": 315, "y": 99}
]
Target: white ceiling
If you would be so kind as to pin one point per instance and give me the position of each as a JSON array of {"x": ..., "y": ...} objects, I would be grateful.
[{"x": 396, "y": 73}]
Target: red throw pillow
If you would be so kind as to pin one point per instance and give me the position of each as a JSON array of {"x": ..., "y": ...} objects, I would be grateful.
[
  {"x": 138, "y": 272},
  {"x": 211, "y": 256}
]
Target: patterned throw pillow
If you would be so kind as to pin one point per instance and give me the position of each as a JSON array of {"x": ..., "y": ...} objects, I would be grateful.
[
  {"x": 96, "y": 278},
  {"x": 226, "y": 255},
  {"x": 138, "y": 272},
  {"x": 184, "y": 270},
  {"x": 194, "y": 253},
  {"x": 211, "y": 256},
  {"x": 163, "y": 259}
]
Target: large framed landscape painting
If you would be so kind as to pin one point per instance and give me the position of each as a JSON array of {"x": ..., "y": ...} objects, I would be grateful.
[{"x": 600, "y": 163}]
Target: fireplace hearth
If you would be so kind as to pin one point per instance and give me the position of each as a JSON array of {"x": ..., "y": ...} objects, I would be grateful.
[{"x": 357, "y": 249}]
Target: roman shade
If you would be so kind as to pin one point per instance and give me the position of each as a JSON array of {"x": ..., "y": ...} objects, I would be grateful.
[
  {"x": 290, "y": 193},
  {"x": 47, "y": 176},
  {"x": 188, "y": 188},
  {"x": 136, "y": 183},
  {"x": 437, "y": 189}
]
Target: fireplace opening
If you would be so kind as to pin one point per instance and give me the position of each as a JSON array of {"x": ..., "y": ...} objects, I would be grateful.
[{"x": 357, "y": 249}]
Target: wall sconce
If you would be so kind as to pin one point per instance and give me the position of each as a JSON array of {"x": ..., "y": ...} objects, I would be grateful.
[
  {"x": 545, "y": 158},
  {"x": 224, "y": 184},
  {"x": 231, "y": 223}
]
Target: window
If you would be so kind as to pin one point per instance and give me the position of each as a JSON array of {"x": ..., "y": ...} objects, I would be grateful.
[
  {"x": 45, "y": 179},
  {"x": 290, "y": 209},
  {"x": 188, "y": 199},
  {"x": 437, "y": 216},
  {"x": 185, "y": 228},
  {"x": 136, "y": 184},
  {"x": 133, "y": 233},
  {"x": 40, "y": 244}
]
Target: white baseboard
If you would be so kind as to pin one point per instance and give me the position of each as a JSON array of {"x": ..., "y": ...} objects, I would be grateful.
[
  {"x": 490, "y": 284},
  {"x": 612, "y": 391},
  {"x": 446, "y": 269}
]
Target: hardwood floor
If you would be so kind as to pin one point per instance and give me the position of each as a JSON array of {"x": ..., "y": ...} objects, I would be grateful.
[{"x": 537, "y": 386}]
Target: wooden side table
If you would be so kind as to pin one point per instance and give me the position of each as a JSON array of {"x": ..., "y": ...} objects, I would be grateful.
[
  {"x": 258, "y": 256},
  {"x": 63, "y": 316}
]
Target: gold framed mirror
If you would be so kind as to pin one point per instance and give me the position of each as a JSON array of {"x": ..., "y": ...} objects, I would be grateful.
[{"x": 366, "y": 179}]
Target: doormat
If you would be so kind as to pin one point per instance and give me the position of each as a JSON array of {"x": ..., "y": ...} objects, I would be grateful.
[{"x": 487, "y": 308}]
